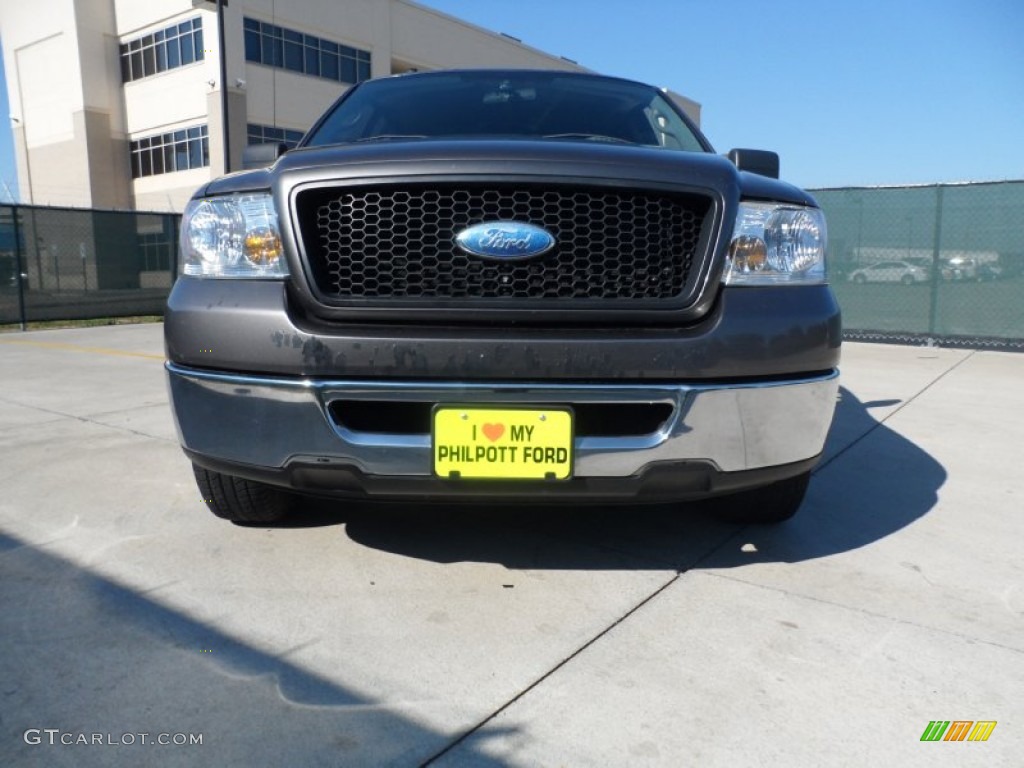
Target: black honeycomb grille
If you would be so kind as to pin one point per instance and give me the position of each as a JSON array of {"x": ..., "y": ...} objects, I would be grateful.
[{"x": 611, "y": 245}]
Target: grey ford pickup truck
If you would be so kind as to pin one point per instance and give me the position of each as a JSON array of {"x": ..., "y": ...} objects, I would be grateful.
[{"x": 503, "y": 285}]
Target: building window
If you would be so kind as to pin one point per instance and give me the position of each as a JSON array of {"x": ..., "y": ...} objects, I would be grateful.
[
  {"x": 269, "y": 134},
  {"x": 156, "y": 250},
  {"x": 172, "y": 47},
  {"x": 287, "y": 49},
  {"x": 170, "y": 152}
]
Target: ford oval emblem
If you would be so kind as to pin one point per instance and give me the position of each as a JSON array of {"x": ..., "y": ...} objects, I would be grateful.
[{"x": 505, "y": 240}]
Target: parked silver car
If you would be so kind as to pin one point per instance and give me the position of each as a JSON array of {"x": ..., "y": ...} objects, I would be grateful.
[{"x": 890, "y": 272}]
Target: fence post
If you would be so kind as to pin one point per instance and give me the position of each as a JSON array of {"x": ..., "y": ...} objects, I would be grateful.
[
  {"x": 35, "y": 247},
  {"x": 936, "y": 263},
  {"x": 175, "y": 232},
  {"x": 18, "y": 268},
  {"x": 85, "y": 274}
]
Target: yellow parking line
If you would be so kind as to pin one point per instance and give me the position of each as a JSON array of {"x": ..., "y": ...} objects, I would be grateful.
[{"x": 77, "y": 348}]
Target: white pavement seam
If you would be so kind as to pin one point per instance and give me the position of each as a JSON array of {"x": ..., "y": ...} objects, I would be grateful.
[
  {"x": 895, "y": 410},
  {"x": 864, "y": 611},
  {"x": 84, "y": 419},
  {"x": 469, "y": 732}
]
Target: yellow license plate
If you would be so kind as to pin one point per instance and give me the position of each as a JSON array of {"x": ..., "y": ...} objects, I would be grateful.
[{"x": 503, "y": 443}]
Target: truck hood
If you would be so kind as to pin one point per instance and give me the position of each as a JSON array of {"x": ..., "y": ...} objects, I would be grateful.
[{"x": 567, "y": 160}]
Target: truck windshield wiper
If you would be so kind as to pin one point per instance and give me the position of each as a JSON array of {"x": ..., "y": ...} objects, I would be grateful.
[
  {"x": 588, "y": 137},
  {"x": 390, "y": 137}
]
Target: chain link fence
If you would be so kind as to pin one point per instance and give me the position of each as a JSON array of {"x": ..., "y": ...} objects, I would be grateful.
[
  {"x": 939, "y": 264},
  {"x": 67, "y": 264}
]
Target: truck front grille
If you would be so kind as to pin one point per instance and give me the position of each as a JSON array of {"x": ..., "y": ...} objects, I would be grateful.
[{"x": 613, "y": 246}]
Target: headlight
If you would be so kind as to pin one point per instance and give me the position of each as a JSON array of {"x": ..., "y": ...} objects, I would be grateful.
[
  {"x": 776, "y": 244},
  {"x": 232, "y": 236}
]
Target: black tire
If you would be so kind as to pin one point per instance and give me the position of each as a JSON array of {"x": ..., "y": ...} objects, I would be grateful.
[
  {"x": 770, "y": 504},
  {"x": 907, "y": 279},
  {"x": 860, "y": 279},
  {"x": 240, "y": 500}
]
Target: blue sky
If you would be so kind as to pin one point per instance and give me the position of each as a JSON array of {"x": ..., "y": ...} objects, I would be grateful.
[
  {"x": 848, "y": 93},
  {"x": 8, "y": 173}
]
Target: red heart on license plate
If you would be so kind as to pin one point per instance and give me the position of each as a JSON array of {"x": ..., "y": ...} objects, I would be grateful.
[{"x": 493, "y": 431}]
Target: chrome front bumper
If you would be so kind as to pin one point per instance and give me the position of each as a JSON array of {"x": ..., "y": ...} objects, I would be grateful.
[{"x": 270, "y": 422}]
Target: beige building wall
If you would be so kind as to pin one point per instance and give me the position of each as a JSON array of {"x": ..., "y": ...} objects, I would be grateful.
[
  {"x": 65, "y": 109},
  {"x": 429, "y": 39},
  {"x": 73, "y": 117},
  {"x": 689, "y": 107}
]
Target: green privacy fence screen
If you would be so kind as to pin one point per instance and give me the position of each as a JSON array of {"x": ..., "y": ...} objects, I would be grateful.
[
  {"x": 71, "y": 263},
  {"x": 943, "y": 262}
]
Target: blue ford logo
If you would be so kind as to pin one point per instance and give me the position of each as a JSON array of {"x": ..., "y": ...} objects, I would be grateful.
[{"x": 505, "y": 240}]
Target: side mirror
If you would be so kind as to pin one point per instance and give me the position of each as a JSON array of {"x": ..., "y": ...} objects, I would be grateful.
[
  {"x": 756, "y": 161},
  {"x": 261, "y": 155}
]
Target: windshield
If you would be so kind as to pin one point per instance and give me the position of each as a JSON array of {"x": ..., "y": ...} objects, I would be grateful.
[{"x": 507, "y": 105}]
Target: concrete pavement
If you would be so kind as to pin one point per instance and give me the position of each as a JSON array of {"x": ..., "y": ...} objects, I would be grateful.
[{"x": 369, "y": 634}]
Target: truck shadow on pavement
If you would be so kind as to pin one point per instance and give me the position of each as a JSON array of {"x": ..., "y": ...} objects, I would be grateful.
[
  {"x": 84, "y": 654},
  {"x": 872, "y": 483}
]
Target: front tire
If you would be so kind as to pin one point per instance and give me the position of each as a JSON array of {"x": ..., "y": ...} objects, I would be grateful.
[
  {"x": 240, "y": 500},
  {"x": 768, "y": 505}
]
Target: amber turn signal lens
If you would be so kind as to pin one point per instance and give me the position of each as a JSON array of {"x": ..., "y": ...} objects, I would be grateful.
[
  {"x": 748, "y": 254},
  {"x": 262, "y": 247}
]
